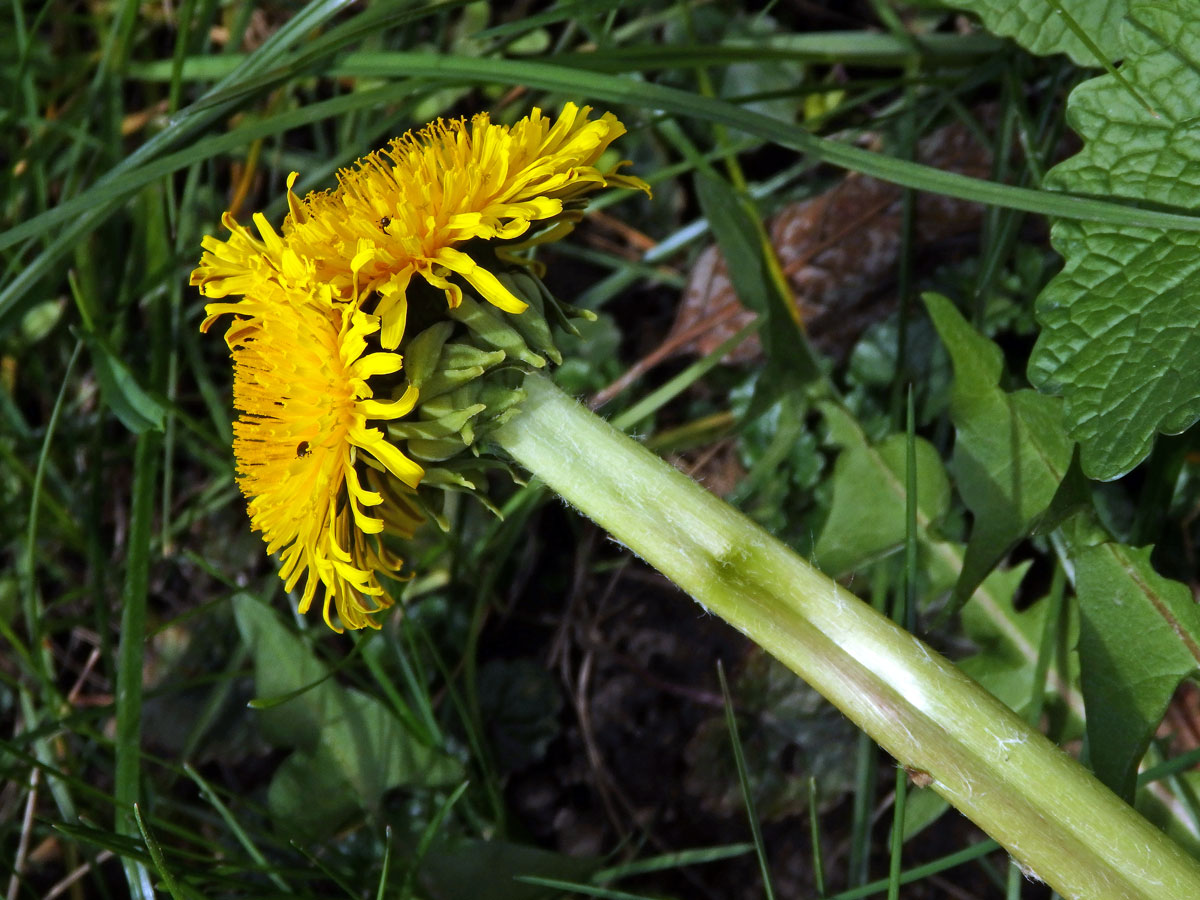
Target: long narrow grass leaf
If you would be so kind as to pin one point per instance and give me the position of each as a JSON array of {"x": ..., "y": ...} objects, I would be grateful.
[
  {"x": 739, "y": 758},
  {"x": 127, "y": 744},
  {"x": 614, "y": 89},
  {"x": 156, "y": 855}
]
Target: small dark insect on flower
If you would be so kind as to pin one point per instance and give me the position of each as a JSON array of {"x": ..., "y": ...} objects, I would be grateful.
[
  {"x": 302, "y": 449},
  {"x": 385, "y": 222}
]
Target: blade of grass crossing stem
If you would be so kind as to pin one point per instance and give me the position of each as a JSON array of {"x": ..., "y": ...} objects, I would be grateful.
[
  {"x": 40, "y": 655},
  {"x": 814, "y": 827},
  {"x": 479, "y": 750},
  {"x": 739, "y": 759},
  {"x": 866, "y": 766},
  {"x": 234, "y": 826},
  {"x": 970, "y": 854},
  {"x": 1046, "y": 647},
  {"x": 644, "y": 95},
  {"x": 127, "y": 744},
  {"x": 586, "y": 890},
  {"x": 908, "y": 143},
  {"x": 387, "y": 863},
  {"x": 350, "y": 890},
  {"x": 663, "y": 395},
  {"x": 1012, "y": 890},
  {"x": 678, "y": 860},
  {"x": 905, "y": 613},
  {"x": 426, "y": 840},
  {"x": 897, "y": 848},
  {"x": 156, "y": 855}
]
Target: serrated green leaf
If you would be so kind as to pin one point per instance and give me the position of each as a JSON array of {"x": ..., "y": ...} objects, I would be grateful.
[
  {"x": 1139, "y": 636},
  {"x": 1038, "y": 27},
  {"x": 866, "y": 520},
  {"x": 1118, "y": 340},
  {"x": 1011, "y": 451}
]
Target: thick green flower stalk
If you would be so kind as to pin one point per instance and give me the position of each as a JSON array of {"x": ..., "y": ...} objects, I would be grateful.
[
  {"x": 1056, "y": 819},
  {"x": 392, "y": 325}
]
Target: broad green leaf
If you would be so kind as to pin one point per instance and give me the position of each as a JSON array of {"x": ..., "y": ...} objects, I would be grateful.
[
  {"x": 1000, "y": 663},
  {"x": 1011, "y": 450},
  {"x": 1007, "y": 642},
  {"x": 350, "y": 747},
  {"x": 1159, "y": 802},
  {"x": 866, "y": 520},
  {"x": 1119, "y": 340},
  {"x": 520, "y": 702},
  {"x": 137, "y": 410},
  {"x": 1040, "y": 28},
  {"x": 1139, "y": 636},
  {"x": 756, "y": 278},
  {"x": 468, "y": 869},
  {"x": 309, "y": 797}
]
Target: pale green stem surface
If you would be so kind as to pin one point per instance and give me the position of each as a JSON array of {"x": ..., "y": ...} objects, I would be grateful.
[{"x": 1052, "y": 815}]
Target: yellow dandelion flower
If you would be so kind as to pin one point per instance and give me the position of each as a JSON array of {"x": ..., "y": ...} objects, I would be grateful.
[
  {"x": 323, "y": 484},
  {"x": 303, "y": 445},
  {"x": 408, "y": 209}
]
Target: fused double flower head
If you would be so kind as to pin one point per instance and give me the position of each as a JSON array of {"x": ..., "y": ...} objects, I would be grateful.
[{"x": 337, "y": 429}]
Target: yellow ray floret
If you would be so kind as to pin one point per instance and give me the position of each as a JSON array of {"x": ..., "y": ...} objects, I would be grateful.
[
  {"x": 303, "y": 440},
  {"x": 408, "y": 210}
]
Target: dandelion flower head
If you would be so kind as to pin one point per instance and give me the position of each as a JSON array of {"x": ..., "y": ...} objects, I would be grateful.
[
  {"x": 304, "y": 448},
  {"x": 320, "y": 307},
  {"x": 408, "y": 210}
]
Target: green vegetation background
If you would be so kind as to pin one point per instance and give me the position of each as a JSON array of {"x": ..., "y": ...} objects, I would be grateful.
[{"x": 151, "y": 659}]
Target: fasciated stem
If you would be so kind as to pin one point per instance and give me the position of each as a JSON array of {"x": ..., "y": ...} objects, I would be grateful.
[{"x": 1056, "y": 819}]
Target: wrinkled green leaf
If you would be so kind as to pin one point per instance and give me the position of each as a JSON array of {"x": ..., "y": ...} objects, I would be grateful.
[
  {"x": 1139, "y": 636},
  {"x": 866, "y": 520},
  {"x": 1119, "y": 339},
  {"x": 350, "y": 746},
  {"x": 1038, "y": 27},
  {"x": 1011, "y": 450}
]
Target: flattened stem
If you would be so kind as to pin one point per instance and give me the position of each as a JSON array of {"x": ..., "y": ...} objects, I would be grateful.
[{"x": 1051, "y": 814}]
